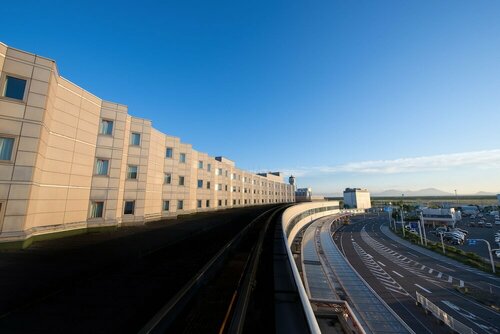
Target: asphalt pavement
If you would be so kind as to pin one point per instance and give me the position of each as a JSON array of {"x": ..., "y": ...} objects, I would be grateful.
[{"x": 396, "y": 270}]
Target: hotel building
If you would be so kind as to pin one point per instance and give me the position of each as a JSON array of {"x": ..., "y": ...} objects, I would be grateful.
[{"x": 70, "y": 160}]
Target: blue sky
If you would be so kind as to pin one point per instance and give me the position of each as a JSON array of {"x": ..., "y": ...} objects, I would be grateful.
[{"x": 318, "y": 88}]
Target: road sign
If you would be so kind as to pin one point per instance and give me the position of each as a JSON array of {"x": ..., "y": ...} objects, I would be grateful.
[
  {"x": 388, "y": 209},
  {"x": 471, "y": 242},
  {"x": 413, "y": 225}
]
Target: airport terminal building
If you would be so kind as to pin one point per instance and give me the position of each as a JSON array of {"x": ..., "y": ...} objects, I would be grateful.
[{"x": 70, "y": 160}]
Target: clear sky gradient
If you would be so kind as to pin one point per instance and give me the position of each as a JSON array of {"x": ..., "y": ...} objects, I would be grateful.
[{"x": 342, "y": 93}]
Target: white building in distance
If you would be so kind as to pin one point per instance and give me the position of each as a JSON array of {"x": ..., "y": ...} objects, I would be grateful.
[
  {"x": 357, "y": 198},
  {"x": 441, "y": 217}
]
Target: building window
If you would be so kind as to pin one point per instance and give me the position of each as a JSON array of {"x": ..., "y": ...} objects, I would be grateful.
[
  {"x": 200, "y": 184},
  {"x": 135, "y": 139},
  {"x": 234, "y": 202},
  {"x": 218, "y": 187},
  {"x": 181, "y": 180},
  {"x": 208, "y": 203},
  {"x": 220, "y": 202},
  {"x": 96, "y": 209},
  {"x": 180, "y": 205},
  {"x": 129, "y": 208},
  {"x": 209, "y": 167},
  {"x": 200, "y": 164},
  {"x": 199, "y": 203},
  {"x": 167, "y": 179},
  {"x": 6, "y": 148},
  {"x": 14, "y": 88},
  {"x": 169, "y": 153},
  {"x": 101, "y": 167},
  {"x": 182, "y": 158},
  {"x": 227, "y": 173},
  {"x": 132, "y": 172},
  {"x": 208, "y": 184},
  {"x": 219, "y": 171},
  {"x": 166, "y": 205},
  {"x": 106, "y": 127},
  {"x": 226, "y": 202},
  {"x": 226, "y": 187}
]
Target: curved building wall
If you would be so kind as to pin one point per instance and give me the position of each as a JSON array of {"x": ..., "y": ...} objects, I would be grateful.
[{"x": 54, "y": 179}]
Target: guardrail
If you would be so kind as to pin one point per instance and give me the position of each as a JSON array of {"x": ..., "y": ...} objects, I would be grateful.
[
  {"x": 447, "y": 319},
  {"x": 293, "y": 220}
]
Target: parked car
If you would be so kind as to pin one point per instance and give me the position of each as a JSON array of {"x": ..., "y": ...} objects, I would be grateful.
[
  {"x": 497, "y": 222},
  {"x": 488, "y": 224},
  {"x": 461, "y": 230},
  {"x": 497, "y": 253},
  {"x": 480, "y": 224},
  {"x": 455, "y": 241},
  {"x": 457, "y": 235}
]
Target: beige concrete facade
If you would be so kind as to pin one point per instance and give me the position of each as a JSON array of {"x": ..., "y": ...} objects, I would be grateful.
[{"x": 70, "y": 160}]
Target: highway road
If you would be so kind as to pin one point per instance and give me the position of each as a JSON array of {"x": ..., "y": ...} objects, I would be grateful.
[{"x": 396, "y": 270}]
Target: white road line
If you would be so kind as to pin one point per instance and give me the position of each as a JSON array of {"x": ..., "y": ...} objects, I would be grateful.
[
  {"x": 440, "y": 275},
  {"x": 381, "y": 263},
  {"x": 431, "y": 270},
  {"x": 423, "y": 267},
  {"x": 450, "y": 279},
  {"x": 397, "y": 273},
  {"x": 461, "y": 283},
  {"x": 394, "y": 245},
  {"x": 449, "y": 269},
  {"x": 398, "y": 291},
  {"x": 412, "y": 254},
  {"x": 421, "y": 287}
]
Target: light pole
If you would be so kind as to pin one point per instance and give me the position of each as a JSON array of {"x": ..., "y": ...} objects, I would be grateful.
[
  {"x": 442, "y": 242},
  {"x": 456, "y": 198},
  {"x": 489, "y": 251},
  {"x": 421, "y": 227},
  {"x": 402, "y": 219}
]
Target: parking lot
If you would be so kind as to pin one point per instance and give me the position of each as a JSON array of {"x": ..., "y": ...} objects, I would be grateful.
[{"x": 486, "y": 233}]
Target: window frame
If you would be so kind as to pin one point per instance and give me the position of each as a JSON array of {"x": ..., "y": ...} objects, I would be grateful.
[
  {"x": 171, "y": 150},
  {"x": 136, "y": 172},
  {"x": 199, "y": 204},
  {"x": 181, "y": 177},
  {"x": 200, "y": 164},
  {"x": 165, "y": 178},
  {"x": 112, "y": 127},
  {"x": 92, "y": 202},
  {"x": 200, "y": 184},
  {"x": 3, "y": 87},
  {"x": 132, "y": 136},
  {"x": 125, "y": 207},
  {"x": 96, "y": 173},
  {"x": 182, "y": 158},
  {"x": 167, "y": 206},
  {"x": 180, "y": 204},
  {"x": 14, "y": 148}
]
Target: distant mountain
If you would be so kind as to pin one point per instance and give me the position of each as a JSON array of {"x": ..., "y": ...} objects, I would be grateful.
[
  {"x": 484, "y": 193},
  {"x": 410, "y": 193}
]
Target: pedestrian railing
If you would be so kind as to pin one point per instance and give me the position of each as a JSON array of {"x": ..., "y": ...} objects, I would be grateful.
[{"x": 447, "y": 319}]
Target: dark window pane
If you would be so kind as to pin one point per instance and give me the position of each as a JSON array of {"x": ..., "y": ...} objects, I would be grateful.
[{"x": 14, "y": 88}]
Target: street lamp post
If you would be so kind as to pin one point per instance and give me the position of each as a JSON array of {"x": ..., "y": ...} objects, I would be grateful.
[
  {"x": 442, "y": 242},
  {"x": 489, "y": 252},
  {"x": 402, "y": 219},
  {"x": 422, "y": 224}
]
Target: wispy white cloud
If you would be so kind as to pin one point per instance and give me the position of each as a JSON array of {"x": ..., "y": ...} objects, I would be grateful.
[{"x": 487, "y": 159}]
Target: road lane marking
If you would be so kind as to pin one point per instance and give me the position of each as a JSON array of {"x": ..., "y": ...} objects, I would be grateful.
[
  {"x": 461, "y": 283},
  {"x": 421, "y": 287},
  {"x": 440, "y": 275},
  {"x": 450, "y": 279},
  {"x": 412, "y": 254},
  {"x": 423, "y": 267},
  {"x": 449, "y": 269},
  {"x": 397, "y": 273},
  {"x": 381, "y": 263},
  {"x": 431, "y": 270}
]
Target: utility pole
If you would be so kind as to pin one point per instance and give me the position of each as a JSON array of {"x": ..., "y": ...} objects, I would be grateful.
[{"x": 402, "y": 219}]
